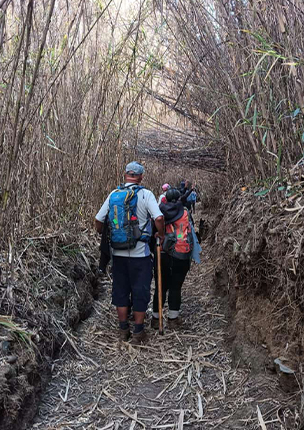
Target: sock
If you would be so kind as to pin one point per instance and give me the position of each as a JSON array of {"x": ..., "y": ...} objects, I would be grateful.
[
  {"x": 155, "y": 315},
  {"x": 172, "y": 315},
  {"x": 123, "y": 325},
  {"x": 138, "y": 328}
]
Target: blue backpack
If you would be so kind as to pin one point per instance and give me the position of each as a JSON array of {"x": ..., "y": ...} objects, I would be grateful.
[
  {"x": 192, "y": 197},
  {"x": 123, "y": 221}
]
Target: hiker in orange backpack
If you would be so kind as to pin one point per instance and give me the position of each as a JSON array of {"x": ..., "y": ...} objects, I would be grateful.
[{"x": 175, "y": 257}]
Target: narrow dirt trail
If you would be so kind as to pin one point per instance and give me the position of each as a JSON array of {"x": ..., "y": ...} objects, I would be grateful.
[{"x": 184, "y": 379}]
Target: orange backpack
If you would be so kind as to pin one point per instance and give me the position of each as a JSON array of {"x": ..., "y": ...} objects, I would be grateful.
[{"x": 178, "y": 238}]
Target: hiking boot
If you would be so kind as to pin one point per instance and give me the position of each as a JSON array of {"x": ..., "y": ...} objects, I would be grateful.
[
  {"x": 155, "y": 323},
  {"x": 124, "y": 335},
  {"x": 138, "y": 338},
  {"x": 174, "y": 323}
]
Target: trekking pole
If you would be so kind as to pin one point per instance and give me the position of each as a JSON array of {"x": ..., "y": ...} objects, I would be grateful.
[{"x": 160, "y": 292}]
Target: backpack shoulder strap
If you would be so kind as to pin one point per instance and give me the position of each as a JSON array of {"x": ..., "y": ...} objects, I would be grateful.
[
  {"x": 135, "y": 187},
  {"x": 138, "y": 188}
]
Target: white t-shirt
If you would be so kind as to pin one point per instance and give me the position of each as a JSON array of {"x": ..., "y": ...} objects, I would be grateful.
[
  {"x": 146, "y": 204},
  {"x": 161, "y": 197}
]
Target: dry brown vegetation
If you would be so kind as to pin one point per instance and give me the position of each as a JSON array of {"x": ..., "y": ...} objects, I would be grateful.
[
  {"x": 72, "y": 81},
  {"x": 238, "y": 74},
  {"x": 258, "y": 259},
  {"x": 75, "y": 77},
  {"x": 207, "y": 90}
]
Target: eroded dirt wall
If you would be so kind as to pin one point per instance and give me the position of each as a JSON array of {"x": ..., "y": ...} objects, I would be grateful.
[
  {"x": 53, "y": 289},
  {"x": 257, "y": 241}
]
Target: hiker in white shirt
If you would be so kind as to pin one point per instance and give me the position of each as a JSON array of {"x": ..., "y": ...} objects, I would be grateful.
[
  {"x": 132, "y": 267},
  {"x": 162, "y": 197}
]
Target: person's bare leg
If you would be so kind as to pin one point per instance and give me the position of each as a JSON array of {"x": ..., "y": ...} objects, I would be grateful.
[
  {"x": 139, "y": 317},
  {"x": 122, "y": 313},
  {"x": 124, "y": 330}
]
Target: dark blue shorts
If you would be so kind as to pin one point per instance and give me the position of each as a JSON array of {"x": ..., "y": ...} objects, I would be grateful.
[{"x": 132, "y": 275}]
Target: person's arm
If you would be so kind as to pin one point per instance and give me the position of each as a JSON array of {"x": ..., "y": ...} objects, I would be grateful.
[
  {"x": 98, "y": 226},
  {"x": 184, "y": 197},
  {"x": 101, "y": 216},
  {"x": 160, "y": 226},
  {"x": 156, "y": 214}
]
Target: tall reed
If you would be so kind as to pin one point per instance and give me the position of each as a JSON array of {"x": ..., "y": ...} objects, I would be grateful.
[
  {"x": 72, "y": 79},
  {"x": 237, "y": 69}
]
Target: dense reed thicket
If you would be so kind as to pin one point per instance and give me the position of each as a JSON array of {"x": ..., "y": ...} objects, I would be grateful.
[
  {"x": 237, "y": 72},
  {"x": 75, "y": 78},
  {"x": 72, "y": 75}
]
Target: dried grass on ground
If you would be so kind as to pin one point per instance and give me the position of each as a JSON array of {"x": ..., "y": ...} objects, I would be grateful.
[{"x": 185, "y": 379}]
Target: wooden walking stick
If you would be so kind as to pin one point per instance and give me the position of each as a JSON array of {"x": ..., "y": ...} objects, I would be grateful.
[{"x": 160, "y": 292}]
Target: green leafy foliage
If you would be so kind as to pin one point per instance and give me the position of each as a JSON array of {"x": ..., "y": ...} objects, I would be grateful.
[{"x": 261, "y": 193}]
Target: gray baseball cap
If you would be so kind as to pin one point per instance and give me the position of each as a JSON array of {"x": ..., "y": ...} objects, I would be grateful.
[{"x": 135, "y": 167}]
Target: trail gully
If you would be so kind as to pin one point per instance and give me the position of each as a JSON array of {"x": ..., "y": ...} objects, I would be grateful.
[{"x": 184, "y": 379}]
